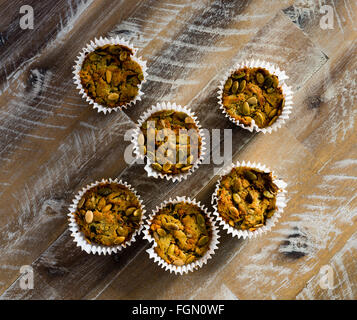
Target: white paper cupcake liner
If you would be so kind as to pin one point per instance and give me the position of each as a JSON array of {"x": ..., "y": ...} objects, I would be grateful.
[
  {"x": 281, "y": 202},
  {"x": 287, "y": 91},
  {"x": 91, "y": 47},
  {"x": 194, "y": 265},
  {"x": 93, "y": 247},
  {"x": 136, "y": 132}
]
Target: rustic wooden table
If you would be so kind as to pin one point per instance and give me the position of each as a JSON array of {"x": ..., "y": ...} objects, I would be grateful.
[{"x": 53, "y": 143}]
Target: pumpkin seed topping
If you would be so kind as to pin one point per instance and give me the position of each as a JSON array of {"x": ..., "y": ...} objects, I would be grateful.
[{"x": 257, "y": 88}]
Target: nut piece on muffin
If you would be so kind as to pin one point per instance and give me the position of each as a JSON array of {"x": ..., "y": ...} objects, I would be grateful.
[
  {"x": 108, "y": 214},
  {"x": 110, "y": 76},
  {"x": 171, "y": 140},
  {"x": 247, "y": 198},
  {"x": 182, "y": 232},
  {"x": 253, "y": 93}
]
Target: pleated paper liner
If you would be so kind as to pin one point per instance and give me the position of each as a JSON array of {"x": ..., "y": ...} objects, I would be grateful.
[
  {"x": 93, "y": 45},
  {"x": 287, "y": 92},
  {"x": 150, "y": 171},
  {"x": 270, "y": 222},
  {"x": 194, "y": 265},
  {"x": 93, "y": 247}
]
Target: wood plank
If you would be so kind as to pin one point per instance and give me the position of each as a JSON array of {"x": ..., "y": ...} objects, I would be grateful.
[
  {"x": 45, "y": 89},
  {"x": 188, "y": 188},
  {"x": 41, "y": 202},
  {"x": 314, "y": 227},
  {"x": 290, "y": 257}
]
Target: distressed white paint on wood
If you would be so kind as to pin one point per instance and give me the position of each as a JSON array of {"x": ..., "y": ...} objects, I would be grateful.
[{"x": 49, "y": 85}]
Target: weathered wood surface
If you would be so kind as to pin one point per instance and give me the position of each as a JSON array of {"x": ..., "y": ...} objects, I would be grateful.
[{"x": 53, "y": 143}]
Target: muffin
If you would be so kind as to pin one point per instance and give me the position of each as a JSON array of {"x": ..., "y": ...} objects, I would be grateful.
[
  {"x": 108, "y": 214},
  {"x": 182, "y": 232},
  {"x": 246, "y": 198},
  {"x": 171, "y": 141},
  {"x": 253, "y": 94},
  {"x": 109, "y": 75}
]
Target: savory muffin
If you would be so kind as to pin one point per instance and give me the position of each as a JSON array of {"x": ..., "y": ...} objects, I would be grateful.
[
  {"x": 110, "y": 76},
  {"x": 247, "y": 198},
  {"x": 171, "y": 141},
  {"x": 108, "y": 214},
  {"x": 253, "y": 93},
  {"x": 182, "y": 232}
]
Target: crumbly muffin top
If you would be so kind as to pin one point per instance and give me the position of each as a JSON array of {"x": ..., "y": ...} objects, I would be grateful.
[
  {"x": 110, "y": 76},
  {"x": 108, "y": 214},
  {"x": 253, "y": 93},
  {"x": 171, "y": 141},
  {"x": 247, "y": 198},
  {"x": 182, "y": 232}
]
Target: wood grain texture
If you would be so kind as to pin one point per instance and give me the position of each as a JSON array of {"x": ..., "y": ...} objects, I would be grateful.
[{"x": 53, "y": 143}]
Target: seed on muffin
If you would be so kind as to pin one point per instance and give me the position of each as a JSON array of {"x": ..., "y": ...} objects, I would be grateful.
[
  {"x": 182, "y": 232},
  {"x": 247, "y": 198},
  {"x": 171, "y": 141},
  {"x": 108, "y": 214},
  {"x": 253, "y": 94}
]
